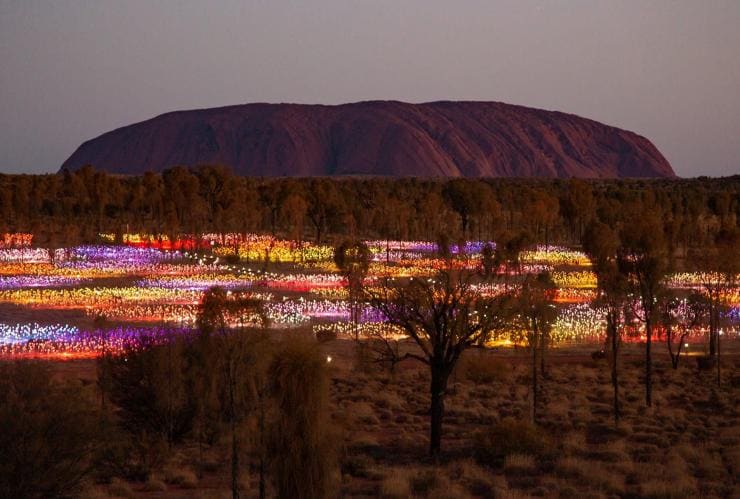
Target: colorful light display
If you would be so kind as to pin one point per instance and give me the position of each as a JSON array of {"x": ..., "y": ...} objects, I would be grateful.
[
  {"x": 61, "y": 341},
  {"x": 40, "y": 281},
  {"x": 16, "y": 240},
  {"x": 579, "y": 279},
  {"x": 150, "y": 291},
  {"x": 556, "y": 255}
]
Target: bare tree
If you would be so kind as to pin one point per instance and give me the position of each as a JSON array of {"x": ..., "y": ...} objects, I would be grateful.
[
  {"x": 444, "y": 315},
  {"x": 385, "y": 346},
  {"x": 535, "y": 315},
  {"x": 680, "y": 316}
]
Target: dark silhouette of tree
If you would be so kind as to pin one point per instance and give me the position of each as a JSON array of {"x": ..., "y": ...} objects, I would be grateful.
[
  {"x": 578, "y": 206},
  {"x": 643, "y": 260},
  {"x": 678, "y": 318},
  {"x": 294, "y": 210},
  {"x": 535, "y": 314},
  {"x": 302, "y": 454},
  {"x": 466, "y": 197},
  {"x": 48, "y": 433},
  {"x": 147, "y": 388},
  {"x": 544, "y": 209},
  {"x": 444, "y": 315},
  {"x": 323, "y": 205},
  {"x": 507, "y": 256},
  {"x": 235, "y": 356},
  {"x": 488, "y": 261},
  {"x": 602, "y": 245},
  {"x": 352, "y": 259},
  {"x": 719, "y": 264}
]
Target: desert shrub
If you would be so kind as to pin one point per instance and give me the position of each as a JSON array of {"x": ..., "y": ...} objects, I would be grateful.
[
  {"x": 129, "y": 456},
  {"x": 301, "y": 452},
  {"x": 231, "y": 258},
  {"x": 666, "y": 489},
  {"x": 365, "y": 358},
  {"x": 574, "y": 443},
  {"x": 182, "y": 477},
  {"x": 155, "y": 485},
  {"x": 47, "y": 433},
  {"x": 148, "y": 388},
  {"x": 511, "y": 437},
  {"x": 483, "y": 369},
  {"x": 705, "y": 363},
  {"x": 598, "y": 355},
  {"x": 325, "y": 334},
  {"x": 358, "y": 465},
  {"x": 423, "y": 482},
  {"x": 519, "y": 463},
  {"x": 119, "y": 488},
  {"x": 592, "y": 473},
  {"x": 395, "y": 485},
  {"x": 477, "y": 480},
  {"x": 434, "y": 482}
]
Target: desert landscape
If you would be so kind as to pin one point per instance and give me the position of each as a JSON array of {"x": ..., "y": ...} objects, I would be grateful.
[
  {"x": 333, "y": 340},
  {"x": 351, "y": 249}
]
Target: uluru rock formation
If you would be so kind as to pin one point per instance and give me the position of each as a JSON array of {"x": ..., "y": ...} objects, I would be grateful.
[{"x": 451, "y": 139}]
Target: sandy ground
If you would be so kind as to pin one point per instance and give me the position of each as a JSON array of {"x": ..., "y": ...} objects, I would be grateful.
[{"x": 686, "y": 445}]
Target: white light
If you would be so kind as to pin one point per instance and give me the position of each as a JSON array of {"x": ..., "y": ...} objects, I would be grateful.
[{"x": 328, "y": 359}]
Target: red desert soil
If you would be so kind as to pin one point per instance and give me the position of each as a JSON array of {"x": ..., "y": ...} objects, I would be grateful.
[{"x": 686, "y": 445}]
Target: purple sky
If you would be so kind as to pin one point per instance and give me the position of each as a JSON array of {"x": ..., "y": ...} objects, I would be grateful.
[{"x": 669, "y": 70}]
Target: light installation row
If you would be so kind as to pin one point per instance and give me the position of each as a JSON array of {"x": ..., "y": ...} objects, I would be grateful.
[{"x": 148, "y": 292}]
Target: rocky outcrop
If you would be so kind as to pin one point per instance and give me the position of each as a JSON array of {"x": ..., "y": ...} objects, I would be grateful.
[{"x": 450, "y": 139}]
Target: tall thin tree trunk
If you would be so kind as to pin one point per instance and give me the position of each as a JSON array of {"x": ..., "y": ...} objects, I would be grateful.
[
  {"x": 719, "y": 372},
  {"x": 438, "y": 388},
  {"x": 534, "y": 380},
  {"x": 649, "y": 363},
  {"x": 543, "y": 348},
  {"x": 234, "y": 438},
  {"x": 712, "y": 326},
  {"x": 262, "y": 448},
  {"x": 615, "y": 370}
]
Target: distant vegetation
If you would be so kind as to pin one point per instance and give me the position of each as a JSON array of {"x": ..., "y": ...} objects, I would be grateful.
[{"x": 69, "y": 208}]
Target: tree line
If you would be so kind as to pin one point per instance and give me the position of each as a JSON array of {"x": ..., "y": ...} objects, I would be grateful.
[{"x": 73, "y": 207}]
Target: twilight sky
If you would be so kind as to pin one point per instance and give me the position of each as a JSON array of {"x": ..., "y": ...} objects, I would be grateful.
[{"x": 71, "y": 70}]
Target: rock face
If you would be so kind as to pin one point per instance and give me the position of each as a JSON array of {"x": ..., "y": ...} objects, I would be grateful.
[{"x": 449, "y": 139}]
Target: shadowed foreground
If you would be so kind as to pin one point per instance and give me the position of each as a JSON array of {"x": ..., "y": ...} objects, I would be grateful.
[{"x": 687, "y": 444}]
